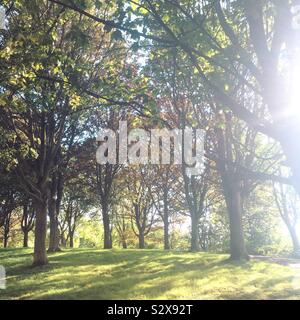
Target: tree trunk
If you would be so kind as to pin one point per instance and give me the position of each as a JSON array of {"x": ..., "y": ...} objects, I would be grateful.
[
  {"x": 5, "y": 240},
  {"x": 166, "y": 235},
  {"x": 54, "y": 207},
  {"x": 106, "y": 227},
  {"x": 232, "y": 193},
  {"x": 63, "y": 240},
  {"x": 124, "y": 244},
  {"x": 296, "y": 246},
  {"x": 27, "y": 223},
  {"x": 233, "y": 202},
  {"x": 54, "y": 232},
  {"x": 141, "y": 240},
  {"x": 40, "y": 254},
  {"x": 289, "y": 132},
  {"x": 71, "y": 241},
  {"x": 166, "y": 222},
  {"x": 195, "y": 247},
  {"x": 295, "y": 240},
  {"x": 6, "y": 228},
  {"x": 25, "y": 239}
]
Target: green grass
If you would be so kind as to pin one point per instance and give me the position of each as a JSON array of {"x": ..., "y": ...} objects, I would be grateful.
[{"x": 148, "y": 274}]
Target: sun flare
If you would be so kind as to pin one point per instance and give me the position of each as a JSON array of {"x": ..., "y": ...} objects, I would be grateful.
[{"x": 294, "y": 89}]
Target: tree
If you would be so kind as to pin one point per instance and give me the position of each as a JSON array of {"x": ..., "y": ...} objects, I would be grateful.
[
  {"x": 27, "y": 222},
  {"x": 76, "y": 203},
  {"x": 40, "y": 92},
  {"x": 140, "y": 203},
  {"x": 9, "y": 201},
  {"x": 165, "y": 191},
  {"x": 100, "y": 179},
  {"x": 122, "y": 224},
  {"x": 287, "y": 203},
  {"x": 66, "y": 152},
  {"x": 225, "y": 43},
  {"x": 42, "y": 105}
]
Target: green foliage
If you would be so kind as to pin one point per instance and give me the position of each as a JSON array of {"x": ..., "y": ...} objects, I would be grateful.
[
  {"x": 60, "y": 68},
  {"x": 90, "y": 233}
]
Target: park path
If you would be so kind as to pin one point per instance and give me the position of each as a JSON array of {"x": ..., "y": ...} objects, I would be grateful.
[{"x": 293, "y": 263}]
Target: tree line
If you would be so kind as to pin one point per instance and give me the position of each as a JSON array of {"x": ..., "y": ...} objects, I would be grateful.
[{"x": 69, "y": 68}]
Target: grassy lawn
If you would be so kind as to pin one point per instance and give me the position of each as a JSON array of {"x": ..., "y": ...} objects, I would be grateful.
[{"x": 148, "y": 274}]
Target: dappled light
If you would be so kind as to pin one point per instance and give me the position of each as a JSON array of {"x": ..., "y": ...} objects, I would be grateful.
[
  {"x": 149, "y": 150},
  {"x": 98, "y": 274}
]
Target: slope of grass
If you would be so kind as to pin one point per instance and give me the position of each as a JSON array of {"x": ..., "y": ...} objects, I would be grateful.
[{"x": 148, "y": 274}]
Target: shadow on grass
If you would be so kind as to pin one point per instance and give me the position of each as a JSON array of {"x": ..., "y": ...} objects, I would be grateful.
[{"x": 137, "y": 274}]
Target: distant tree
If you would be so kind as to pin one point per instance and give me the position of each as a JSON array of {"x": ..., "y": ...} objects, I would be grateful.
[
  {"x": 140, "y": 202},
  {"x": 122, "y": 224},
  {"x": 165, "y": 189},
  {"x": 27, "y": 222},
  {"x": 287, "y": 202},
  {"x": 10, "y": 199},
  {"x": 73, "y": 215}
]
